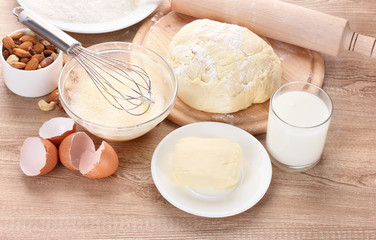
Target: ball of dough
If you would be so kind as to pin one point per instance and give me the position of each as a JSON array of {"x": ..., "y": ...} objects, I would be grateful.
[{"x": 223, "y": 68}]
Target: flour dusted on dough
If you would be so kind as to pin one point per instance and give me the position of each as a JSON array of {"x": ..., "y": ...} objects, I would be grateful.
[
  {"x": 223, "y": 68},
  {"x": 81, "y": 11}
]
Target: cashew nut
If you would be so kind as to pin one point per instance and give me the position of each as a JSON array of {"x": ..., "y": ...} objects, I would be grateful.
[
  {"x": 45, "y": 106},
  {"x": 12, "y": 58}
]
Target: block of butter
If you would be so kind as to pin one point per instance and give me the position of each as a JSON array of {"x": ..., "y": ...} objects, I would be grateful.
[{"x": 207, "y": 163}]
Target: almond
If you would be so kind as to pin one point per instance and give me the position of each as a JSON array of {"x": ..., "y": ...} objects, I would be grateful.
[
  {"x": 8, "y": 43},
  {"x": 18, "y": 65},
  {"x": 25, "y": 60},
  {"x": 16, "y": 35},
  {"x": 26, "y": 46},
  {"x": 40, "y": 57},
  {"x": 45, "y": 62},
  {"x": 6, "y": 54},
  {"x": 51, "y": 47},
  {"x": 32, "y": 64},
  {"x": 47, "y": 52},
  {"x": 28, "y": 38},
  {"x": 39, "y": 47},
  {"x": 54, "y": 97},
  {"x": 21, "y": 53},
  {"x": 32, "y": 51}
]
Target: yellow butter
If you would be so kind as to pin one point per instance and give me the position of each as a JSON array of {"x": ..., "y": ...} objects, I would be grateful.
[{"x": 207, "y": 163}]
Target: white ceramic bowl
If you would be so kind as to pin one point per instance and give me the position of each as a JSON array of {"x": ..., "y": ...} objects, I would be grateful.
[
  {"x": 91, "y": 110},
  {"x": 33, "y": 83}
]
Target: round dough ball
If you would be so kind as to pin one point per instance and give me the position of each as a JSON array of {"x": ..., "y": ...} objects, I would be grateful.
[{"x": 223, "y": 68}]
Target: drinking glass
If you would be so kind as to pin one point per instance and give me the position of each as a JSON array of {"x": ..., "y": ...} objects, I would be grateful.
[{"x": 299, "y": 118}]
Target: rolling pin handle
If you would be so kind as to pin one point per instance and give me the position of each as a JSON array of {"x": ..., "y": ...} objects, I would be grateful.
[{"x": 360, "y": 43}]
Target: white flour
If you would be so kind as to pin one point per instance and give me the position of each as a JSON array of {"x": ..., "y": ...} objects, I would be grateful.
[{"x": 82, "y": 11}]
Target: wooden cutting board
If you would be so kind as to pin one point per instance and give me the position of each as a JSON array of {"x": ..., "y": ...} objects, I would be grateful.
[{"x": 298, "y": 64}]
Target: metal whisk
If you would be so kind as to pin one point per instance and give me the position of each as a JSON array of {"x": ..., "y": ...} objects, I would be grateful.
[{"x": 124, "y": 85}]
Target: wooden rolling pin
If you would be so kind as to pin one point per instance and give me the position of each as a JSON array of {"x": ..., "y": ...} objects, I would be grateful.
[{"x": 283, "y": 21}]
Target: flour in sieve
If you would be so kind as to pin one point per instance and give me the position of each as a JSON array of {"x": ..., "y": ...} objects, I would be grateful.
[{"x": 82, "y": 11}]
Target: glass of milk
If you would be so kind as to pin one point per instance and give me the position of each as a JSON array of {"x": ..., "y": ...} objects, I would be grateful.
[{"x": 299, "y": 117}]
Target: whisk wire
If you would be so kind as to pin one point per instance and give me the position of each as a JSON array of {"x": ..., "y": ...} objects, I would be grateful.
[
  {"x": 104, "y": 70},
  {"x": 119, "y": 65},
  {"x": 134, "y": 68},
  {"x": 99, "y": 85}
]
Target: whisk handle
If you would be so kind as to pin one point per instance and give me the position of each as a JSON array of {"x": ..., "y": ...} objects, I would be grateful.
[{"x": 53, "y": 34}]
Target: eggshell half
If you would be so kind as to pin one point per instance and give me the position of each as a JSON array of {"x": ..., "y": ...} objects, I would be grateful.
[
  {"x": 56, "y": 129},
  {"x": 72, "y": 147},
  {"x": 38, "y": 156},
  {"x": 77, "y": 152},
  {"x": 99, "y": 164}
]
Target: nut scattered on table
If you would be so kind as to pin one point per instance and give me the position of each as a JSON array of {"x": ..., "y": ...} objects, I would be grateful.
[
  {"x": 54, "y": 97},
  {"x": 45, "y": 106},
  {"x": 27, "y": 52}
]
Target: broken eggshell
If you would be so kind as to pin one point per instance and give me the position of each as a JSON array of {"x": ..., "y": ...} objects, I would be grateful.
[
  {"x": 38, "y": 156},
  {"x": 99, "y": 164},
  {"x": 56, "y": 129},
  {"x": 72, "y": 147},
  {"x": 77, "y": 152}
]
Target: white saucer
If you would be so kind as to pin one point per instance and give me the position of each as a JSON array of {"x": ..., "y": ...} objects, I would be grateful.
[
  {"x": 144, "y": 9},
  {"x": 255, "y": 180}
]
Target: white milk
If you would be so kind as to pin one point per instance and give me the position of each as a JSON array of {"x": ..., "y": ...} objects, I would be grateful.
[{"x": 297, "y": 140}]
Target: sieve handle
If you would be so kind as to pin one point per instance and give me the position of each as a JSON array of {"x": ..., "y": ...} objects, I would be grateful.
[{"x": 45, "y": 29}]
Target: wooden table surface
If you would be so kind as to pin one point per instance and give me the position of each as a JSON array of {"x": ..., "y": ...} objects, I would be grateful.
[{"x": 334, "y": 200}]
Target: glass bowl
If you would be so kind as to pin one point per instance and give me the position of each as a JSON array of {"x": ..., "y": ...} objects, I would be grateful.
[{"x": 83, "y": 102}]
